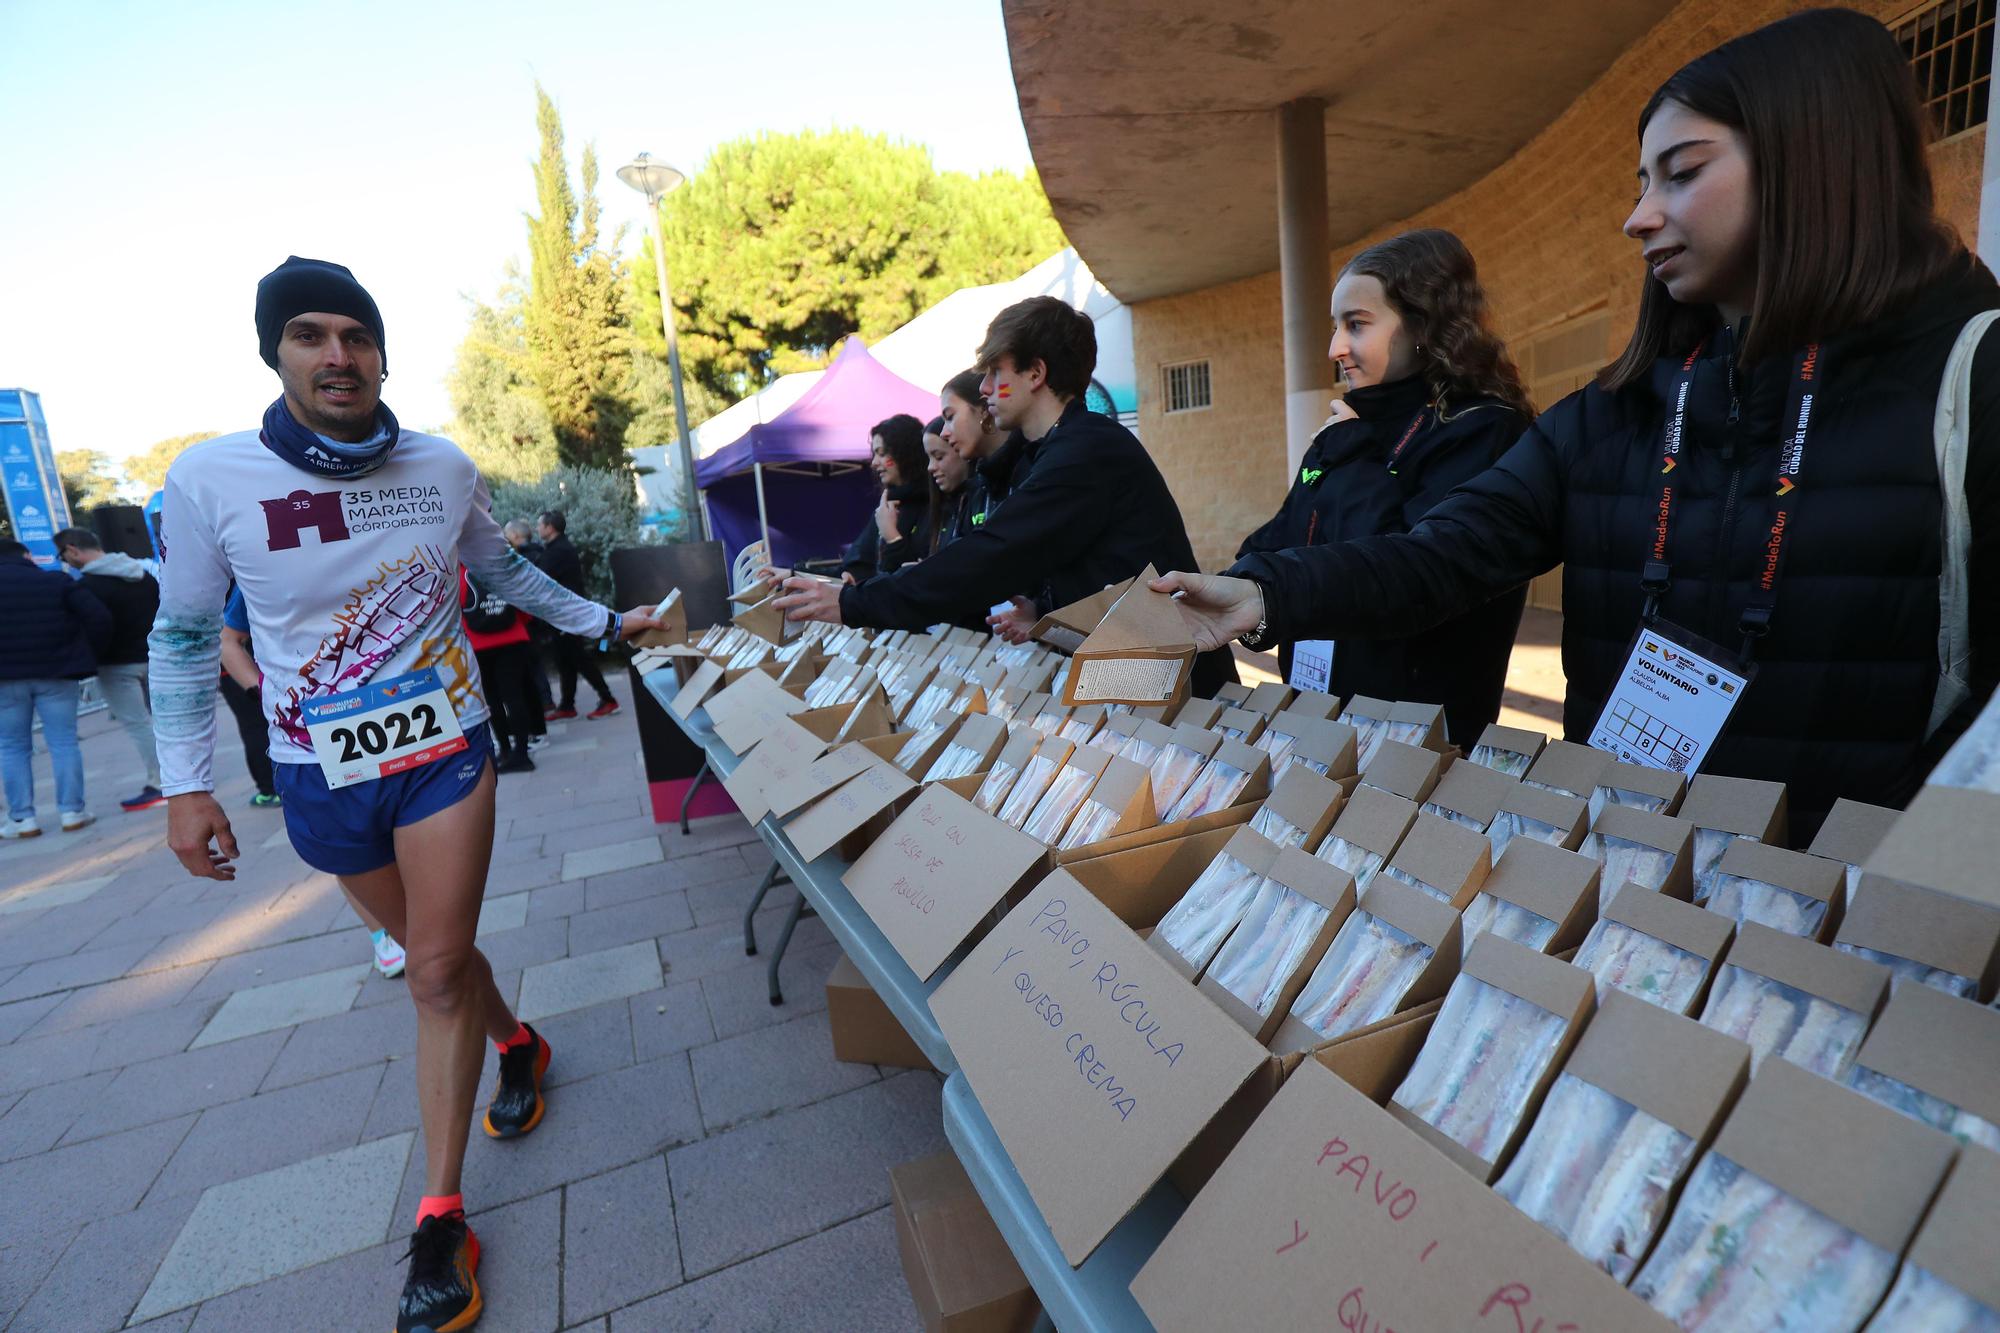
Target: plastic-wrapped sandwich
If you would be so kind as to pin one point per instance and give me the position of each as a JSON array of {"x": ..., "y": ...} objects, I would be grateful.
[{"x": 1793, "y": 998}]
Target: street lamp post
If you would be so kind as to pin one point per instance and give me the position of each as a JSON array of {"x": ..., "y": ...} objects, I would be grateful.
[{"x": 656, "y": 180}]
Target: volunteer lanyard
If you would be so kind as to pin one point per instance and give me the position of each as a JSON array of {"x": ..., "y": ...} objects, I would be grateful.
[{"x": 1802, "y": 388}]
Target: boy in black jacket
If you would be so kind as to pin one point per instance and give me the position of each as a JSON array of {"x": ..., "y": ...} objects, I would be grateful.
[{"x": 132, "y": 596}]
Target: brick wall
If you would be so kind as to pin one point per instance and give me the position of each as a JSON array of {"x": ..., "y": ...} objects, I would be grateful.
[{"x": 1544, "y": 227}]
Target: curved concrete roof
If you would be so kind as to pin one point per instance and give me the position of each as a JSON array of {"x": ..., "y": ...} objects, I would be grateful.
[{"x": 1151, "y": 124}]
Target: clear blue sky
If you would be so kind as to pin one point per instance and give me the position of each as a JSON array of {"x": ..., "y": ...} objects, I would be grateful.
[{"x": 157, "y": 158}]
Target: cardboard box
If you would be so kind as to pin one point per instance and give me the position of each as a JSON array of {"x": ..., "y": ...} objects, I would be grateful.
[
  {"x": 962, "y": 1276},
  {"x": 1241, "y": 724},
  {"x": 1248, "y": 760},
  {"x": 1665, "y": 833},
  {"x": 1471, "y": 791},
  {"x": 1676, "y": 922},
  {"x": 1117, "y": 732},
  {"x": 1081, "y": 724},
  {"x": 1940, "y": 1045},
  {"x": 1569, "y": 768},
  {"x": 1447, "y": 858},
  {"x": 1948, "y": 840},
  {"x": 1313, "y": 703},
  {"x": 794, "y": 789},
  {"x": 1670, "y": 1067},
  {"x": 1416, "y": 914},
  {"x": 1547, "y": 983},
  {"x": 1140, "y": 884},
  {"x": 1257, "y": 855},
  {"x": 1811, "y": 877},
  {"x": 981, "y": 733},
  {"x": 1374, "y": 1059},
  {"x": 1405, "y": 770},
  {"x": 918, "y": 749},
  {"x": 1061, "y": 1017},
  {"x": 1122, "y": 787},
  {"x": 1307, "y": 802},
  {"x": 1332, "y": 744},
  {"x": 1330, "y": 1213},
  {"x": 1078, "y": 772},
  {"x": 1020, "y": 747},
  {"x": 1199, "y": 714},
  {"x": 767, "y": 622},
  {"x": 1834, "y": 976},
  {"x": 1517, "y": 741},
  {"x": 1374, "y": 820},
  {"x": 1569, "y": 815},
  {"x": 859, "y": 806},
  {"x": 1850, "y": 834},
  {"x": 1658, "y": 783},
  {"x": 864, "y": 1031},
  {"x": 780, "y": 760},
  {"x": 1142, "y": 652},
  {"x": 1740, "y": 806},
  {"x": 695, "y": 689},
  {"x": 1955, "y": 1242},
  {"x": 1271, "y": 698},
  {"x": 1232, "y": 694},
  {"x": 1556, "y": 885},
  {"x": 1310, "y": 878},
  {"x": 1065, "y": 628},
  {"x": 742, "y": 711},
  {"x": 1930, "y": 930}
]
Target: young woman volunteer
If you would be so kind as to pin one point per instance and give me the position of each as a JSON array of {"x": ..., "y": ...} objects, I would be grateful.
[
  {"x": 987, "y": 449},
  {"x": 945, "y": 520},
  {"x": 1432, "y": 400},
  {"x": 1760, "y": 467},
  {"x": 891, "y": 537}
]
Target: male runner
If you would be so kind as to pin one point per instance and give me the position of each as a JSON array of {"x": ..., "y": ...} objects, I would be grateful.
[{"x": 345, "y": 533}]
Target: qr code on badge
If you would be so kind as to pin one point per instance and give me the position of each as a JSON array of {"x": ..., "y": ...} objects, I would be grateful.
[{"x": 1675, "y": 760}]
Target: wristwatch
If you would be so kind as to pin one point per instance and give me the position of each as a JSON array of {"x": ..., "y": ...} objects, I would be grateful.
[{"x": 1254, "y": 639}]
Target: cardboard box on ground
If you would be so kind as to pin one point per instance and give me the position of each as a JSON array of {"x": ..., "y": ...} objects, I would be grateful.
[
  {"x": 962, "y": 1276},
  {"x": 864, "y": 1029}
]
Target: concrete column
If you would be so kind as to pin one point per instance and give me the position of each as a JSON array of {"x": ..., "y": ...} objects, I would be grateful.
[
  {"x": 1305, "y": 276},
  {"x": 1989, "y": 193}
]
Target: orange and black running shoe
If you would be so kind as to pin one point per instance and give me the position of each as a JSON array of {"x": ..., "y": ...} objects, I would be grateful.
[
  {"x": 441, "y": 1294},
  {"x": 517, "y": 1104}
]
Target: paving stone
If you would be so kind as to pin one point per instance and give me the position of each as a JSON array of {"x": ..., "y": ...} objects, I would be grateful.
[
  {"x": 588, "y": 1042},
  {"x": 38, "y": 1119},
  {"x": 278, "y": 962},
  {"x": 395, "y": 1106},
  {"x": 663, "y": 914},
  {"x": 791, "y": 1064},
  {"x": 844, "y": 1279},
  {"x": 594, "y": 1326},
  {"x": 18, "y": 1017},
  {"x": 355, "y": 1291},
  {"x": 105, "y": 1269},
  {"x": 614, "y": 856},
  {"x": 577, "y": 839},
  {"x": 178, "y": 1084},
  {"x": 78, "y": 969},
  {"x": 351, "y": 1040},
  {"x": 587, "y": 979},
  {"x": 272, "y": 1130},
  {"x": 23, "y": 1265},
  {"x": 624, "y": 886},
  {"x": 556, "y": 900},
  {"x": 159, "y": 921},
  {"x": 521, "y": 1260},
  {"x": 708, "y": 833},
  {"x": 519, "y": 876},
  {"x": 262, "y": 1226},
  {"x": 507, "y": 913},
  {"x": 692, "y": 954},
  {"x": 142, "y": 1037},
  {"x": 283, "y": 1004},
  {"x": 619, "y": 1244},
  {"x": 32, "y": 938},
  {"x": 72, "y": 1186},
  {"x": 739, "y": 998},
  {"x": 772, "y": 1182},
  {"x": 551, "y": 819},
  {"x": 723, "y": 900},
  {"x": 170, "y": 1323},
  {"x": 43, "y": 1060},
  {"x": 280, "y": 838},
  {"x": 41, "y": 896},
  {"x": 121, "y": 999},
  {"x": 684, "y": 1023}
]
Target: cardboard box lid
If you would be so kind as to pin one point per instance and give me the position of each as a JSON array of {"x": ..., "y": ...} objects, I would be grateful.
[
  {"x": 1121, "y": 725},
  {"x": 1547, "y": 983},
  {"x": 1473, "y": 790},
  {"x": 1302, "y": 798},
  {"x": 1515, "y": 740},
  {"x": 1837, "y": 977},
  {"x": 785, "y": 794},
  {"x": 1375, "y": 820},
  {"x": 1067, "y": 626},
  {"x": 695, "y": 689},
  {"x": 1939, "y": 1044},
  {"x": 1935, "y": 929},
  {"x": 1243, "y": 758},
  {"x": 1703, "y": 933},
  {"x": 1546, "y": 880},
  {"x": 1199, "y": 739},
  {"x": 785, "y": 752},
  {"x": 1442, "y": 854},
  {"x": 1660, "y": 782},
  {"x": 1324, "y": 741},
  {"x": 819, "y": 828},
  {"x": 1430, "y": 716},
  {"x": 1956, "y": 1239},
  {"x": 1199, "y": 713},
  {"x": 1309, "y": 877},
  {"x": 1667, "y": 833},
  {"x": 1411, "y": 911},
  {"x": 1232, "y": 693},
  {"x": 1142, "y": 652},
  {"x": 1270, "y": 698},
  {"x": 1313, "y": 703},
  {"x": 1369, "y": 707},
  {"x": 1569, "y": 767},
  {"x": 1813, "y": 876},
  {"x": 1250, "y": 723},
  {"x": 980, "y": 731},
  {"x": 1156, "y": 734},
  {"x": 1406, "y": 770},
  {"x": 1743, "y": 806},
  {"x": 1141, "y": 621},
  {"x": 1670, "y": 1067},
  {"x": 1331, "y": 1213},
  {"x": 1058, "y": 973},
  {"x": 1022, "y": 743},
  {"x": 1852, "y": 830},
  {"x": 1253, "y": 849},
  {"x": 965, "y": 1260},
  {"x": 1871, "y": 1169},
  {"x": 1947, "y": 840}
]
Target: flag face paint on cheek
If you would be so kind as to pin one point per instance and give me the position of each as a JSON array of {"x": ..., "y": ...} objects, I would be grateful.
[{"x": 1003, "y": 391}]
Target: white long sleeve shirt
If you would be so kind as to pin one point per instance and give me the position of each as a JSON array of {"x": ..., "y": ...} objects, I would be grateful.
[{"x": 345, "y": 581}]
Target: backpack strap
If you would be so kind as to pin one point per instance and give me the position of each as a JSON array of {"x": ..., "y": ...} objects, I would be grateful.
[{"x": 1952, "y": 440}]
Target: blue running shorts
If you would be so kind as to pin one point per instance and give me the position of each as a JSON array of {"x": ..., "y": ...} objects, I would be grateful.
[{"x": 351, "y": 830}]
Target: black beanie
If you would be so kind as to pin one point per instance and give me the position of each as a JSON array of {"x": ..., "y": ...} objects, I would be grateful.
[{"x": 298, "y": 286}]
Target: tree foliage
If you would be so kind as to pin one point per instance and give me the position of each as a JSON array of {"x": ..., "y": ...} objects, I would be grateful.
[
  {"x": 574, "y": 323},
  {"x": 497, "y": 412},
  {"x": 598, "y": 504},
  {"x": 89, "y": 479},
  {"x": 783, "y": 244},
  {"x": 147, "y": 469}
]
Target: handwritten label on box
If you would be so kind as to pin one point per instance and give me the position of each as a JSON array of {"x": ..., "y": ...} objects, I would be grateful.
[
  {"x": 846, "y": 808},
  {"x": 782, "y": 756}
]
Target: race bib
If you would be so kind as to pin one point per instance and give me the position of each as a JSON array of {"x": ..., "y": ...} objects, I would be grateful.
[
  {"x": 1671, "y": 700},
  {"x": 386, "y": 726},
  {"x": 1312, "y": 665}
]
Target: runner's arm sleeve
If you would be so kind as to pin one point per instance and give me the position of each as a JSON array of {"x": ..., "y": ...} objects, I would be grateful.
[
  {"x": 486, "y": 552},
  {"x": 184, "y": 651}
]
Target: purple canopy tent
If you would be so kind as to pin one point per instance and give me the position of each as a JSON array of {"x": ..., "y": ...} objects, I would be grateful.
[{"x": 802, "y": 477}]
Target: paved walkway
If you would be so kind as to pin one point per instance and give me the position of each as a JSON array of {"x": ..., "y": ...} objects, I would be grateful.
[{"x": 207, "y": 1107}]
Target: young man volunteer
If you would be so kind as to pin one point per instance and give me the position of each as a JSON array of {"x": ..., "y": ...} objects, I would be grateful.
[
  {"x": 1086, "y": 506},
  {"x": 344, "y": 533}
]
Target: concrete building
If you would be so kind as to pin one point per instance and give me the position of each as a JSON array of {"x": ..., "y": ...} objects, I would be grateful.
[{"x": 1215, "y": 166}]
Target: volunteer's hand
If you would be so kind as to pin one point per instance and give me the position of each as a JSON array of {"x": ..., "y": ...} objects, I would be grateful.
[
  {"x": 192, "y": 819},
  {"x": 889, "y": 519},
  {"x": 1338, "y": 410},
  {"x": 637, "y": 621},
  {"x": 809, "y": 599},
  {"x": 1017, "y": 622},
  {"x": 848, "y": 578},
  {"x": 1218, "y": 609},
  {"x": 772, "y": 576}
]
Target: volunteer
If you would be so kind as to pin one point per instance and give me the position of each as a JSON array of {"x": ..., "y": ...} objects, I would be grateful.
[
  {"x": 889, "y": 538},
  {"x": 1432, "y": 400},
  {"x": 344, "y": 533},
  {"x": 1771, "y": 421},
  {"x": 971, "y": 429},
  {"x": 1086, "y": 508},
  {"x": 946, "y": 519}
]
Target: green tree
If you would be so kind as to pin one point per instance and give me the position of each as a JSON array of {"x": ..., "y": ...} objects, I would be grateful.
[
  {"x": 783, "y": 244},
  {"x": 497, "y": 412},
  {"x": 600, "y": 506},
  {"x": 147, "y": 469},
  {"x": 574, "y": 321},
  {"x": 88, "y": 479}
]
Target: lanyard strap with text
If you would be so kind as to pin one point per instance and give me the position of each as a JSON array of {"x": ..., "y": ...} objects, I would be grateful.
[
  {"x": 1403, "y": 443},
  {"x": 1755, "y": 622}
]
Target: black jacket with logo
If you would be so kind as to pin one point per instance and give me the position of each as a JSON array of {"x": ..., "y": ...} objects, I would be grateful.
[
  {"x": 1345, "y": 489},
  {"x": 1847, "y": 673},
  {"x": 1085, "y": 507},
  {"x": 132, "y": 596}
]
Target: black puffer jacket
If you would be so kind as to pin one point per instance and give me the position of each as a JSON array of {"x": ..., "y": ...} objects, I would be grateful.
[
  {"x": 55, "y": 627},
  {"x": 1086, "y": 507},
  {"x": 132, "y": 596},
  {"x": 1849, "y": 668},
  {"x": 868, "y": 555},
  {"x": 1345, "y": 489}
]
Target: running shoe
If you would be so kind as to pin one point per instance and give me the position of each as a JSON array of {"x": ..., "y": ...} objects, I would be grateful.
[
  {"x": 147, "y": 798},
  {"x": 21, "y": 828},
  {"x": 605, "y": 709},
  {"x": 267, "y": 800},
  {"x": 537, "y": 742},
  {"x": 388, "y": 953},
  {"x": 76, "y": 819},
  {"x": 516, "y": 762},
  {"x": 559, "y": 714},
  {"x": 441, "y": 1293},
  {"x": 517, "y": 1104}
]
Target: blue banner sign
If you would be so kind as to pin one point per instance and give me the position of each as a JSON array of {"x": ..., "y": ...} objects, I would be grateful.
[{"x": 29, "y": 482}]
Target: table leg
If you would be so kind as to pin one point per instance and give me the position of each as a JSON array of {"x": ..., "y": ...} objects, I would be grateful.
[
  {"x": 701, "y": 776},
  {"x": 771, "y": 877},
  {"x": 785, "y": 939}
]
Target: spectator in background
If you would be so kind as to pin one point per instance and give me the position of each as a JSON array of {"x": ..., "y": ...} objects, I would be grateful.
[
  {"x": 521, "y": 536},
  {"x": 499, "y": 636},
  {"x": 132, "y": 596},
  {"x": 242, "y": 684},
  {"x": 573, "y": 655},
  {"x": 891, "y": 538},
  {"x": 55, "y": 627}
]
